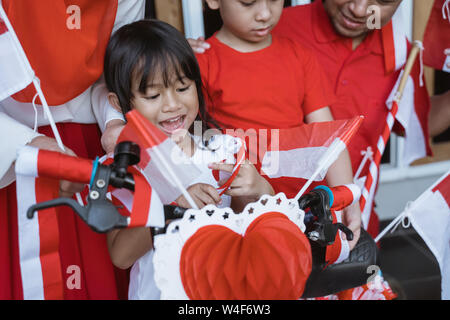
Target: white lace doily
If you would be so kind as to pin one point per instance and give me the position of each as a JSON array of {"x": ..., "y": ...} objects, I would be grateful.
[{"x": 168, "y": 246}]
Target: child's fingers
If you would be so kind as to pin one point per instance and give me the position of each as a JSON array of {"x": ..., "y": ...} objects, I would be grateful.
[
  {"x": 221, "y": 167},
  {"x": 212, "y": 193},
  {"x": 236, "y": 192}
]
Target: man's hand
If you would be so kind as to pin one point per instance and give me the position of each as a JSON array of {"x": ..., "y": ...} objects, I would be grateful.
[
  {"x": 202, "y": 194},
  {"x": 66, "y": 188},
  {"x": 199, "y": 45},
  {"x": 352, "y": 219},
  {"x": 111, "y": 134}
]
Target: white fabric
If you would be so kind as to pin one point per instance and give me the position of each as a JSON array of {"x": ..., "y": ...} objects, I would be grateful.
[
  {"x": 446, "y": 68},
  {"x": 356, "y": 192},
  {"x": 17, "y": 118},
  {"x": 345, "y": 247},
  {"x": 142, "y": 284},
  {"x": 29, "y": 244},
  {"x": 415, "y": 145},
  {"x": 430, "y": 216},
  {"x": 278, "y": 164},
  {"x": 400, "y": 39},
  {"x": 15, "y": 73}
]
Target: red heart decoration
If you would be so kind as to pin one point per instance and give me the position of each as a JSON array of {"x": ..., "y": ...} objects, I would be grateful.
[{"x": 271, "y": 261}]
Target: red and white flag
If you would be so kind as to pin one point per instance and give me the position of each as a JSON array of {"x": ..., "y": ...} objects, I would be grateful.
[
  {"x": 430, "y": 216},
  {"x": 15, "y": 71},
  {"x": 39, "y": 237},
  {"x": 299, "y": 152},
  {"x": 395, "y": 42},
  {"x": 143, "y": 207},
  {"x": 165, "y": 165},
  {"x": 437, "y": 36}
]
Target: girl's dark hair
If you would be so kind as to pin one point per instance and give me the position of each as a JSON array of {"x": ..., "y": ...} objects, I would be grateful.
[{"x": 140, "y": 48}]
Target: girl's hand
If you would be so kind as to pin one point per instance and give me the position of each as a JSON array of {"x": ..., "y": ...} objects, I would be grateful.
[
  {"x": 248, "y": 181},
  {"x": 202, "y": 194}
]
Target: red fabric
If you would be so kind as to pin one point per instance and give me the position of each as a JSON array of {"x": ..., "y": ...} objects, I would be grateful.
[
  {"x": 360, "y": 82},
  {"x": 57, "y": 53},
  {"x": 271, "y": 261},
  {"x": 270, "y": 88},
  {"x": 79, "y": 245},
  {"x": 54, "y": 165},
  {"x": 436, "y": 38},
  {"x": 3, "y": 28},
  {"x": 444, "y": 189},
  {"x": 47, "y": 189}
]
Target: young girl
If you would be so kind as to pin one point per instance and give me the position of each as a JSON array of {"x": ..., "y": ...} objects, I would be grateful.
[
  {"x": 150, "y": 67},
  {"x": 255, "y": 80}
]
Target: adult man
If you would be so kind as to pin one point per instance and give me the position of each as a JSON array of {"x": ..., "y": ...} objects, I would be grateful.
[{"x": 356, "y": 59}]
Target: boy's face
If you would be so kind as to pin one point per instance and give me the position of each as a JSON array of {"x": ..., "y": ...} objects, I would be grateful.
[
  {"x": 349, "y": 17},
  {"x": 172, "y": 109},
  {"x": 249, "y": 20}
]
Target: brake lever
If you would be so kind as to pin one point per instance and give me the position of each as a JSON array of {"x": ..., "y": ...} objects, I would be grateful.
[
  {"x": 322, "y": 231},
  {"x": 99, "y": 213}
]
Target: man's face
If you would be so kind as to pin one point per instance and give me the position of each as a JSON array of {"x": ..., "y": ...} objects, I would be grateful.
[{"x": 349, "y": 17}]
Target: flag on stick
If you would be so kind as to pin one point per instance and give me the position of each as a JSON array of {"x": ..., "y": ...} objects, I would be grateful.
[
  {"x": 16, "y": 72},
  {"x": 165, "y": 165},
  {"x": 429, "y": 214},
  {"x": 437, "y": 36},
  {"x": 397, "y": 109},
  {"x": 306, "y": 151}
]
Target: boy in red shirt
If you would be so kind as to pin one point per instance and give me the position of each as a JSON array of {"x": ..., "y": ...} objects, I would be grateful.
[{"x": 254, "y": 80}]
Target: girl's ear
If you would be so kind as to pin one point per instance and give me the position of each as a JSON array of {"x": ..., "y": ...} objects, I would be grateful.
[
  {"x": 114, "y": 101},
  {"x": 213, "y": 4}
]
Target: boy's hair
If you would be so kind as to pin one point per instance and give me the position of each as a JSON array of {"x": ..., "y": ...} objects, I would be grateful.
[{"x": 137, "y": 49}]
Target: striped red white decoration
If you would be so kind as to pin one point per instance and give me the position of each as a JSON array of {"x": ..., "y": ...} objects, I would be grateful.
[
  {"x": 241, "y": 155},
  {"x": 368, "y": 190},
  {"x": 345, "y": 195},
  {"x": 38, "y": 173},
  {"x": 38, "y": 237}
]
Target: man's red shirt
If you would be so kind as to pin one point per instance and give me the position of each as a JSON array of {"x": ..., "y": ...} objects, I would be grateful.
[{"x": 358, "y": 77}]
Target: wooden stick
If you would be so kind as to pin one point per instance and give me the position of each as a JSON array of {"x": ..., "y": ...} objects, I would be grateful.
[{"x": 407, "y": 70}]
